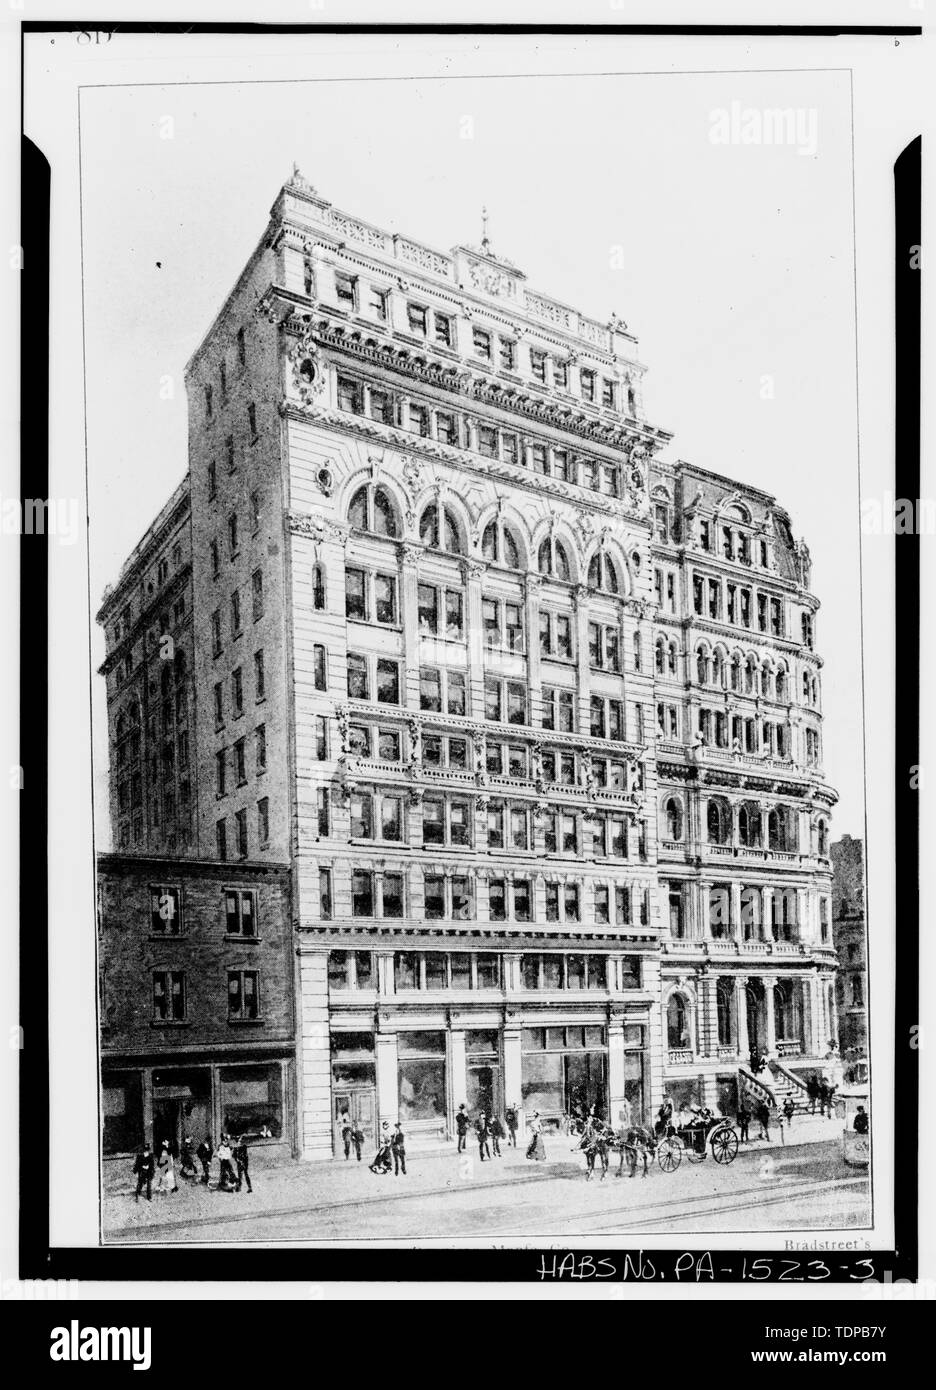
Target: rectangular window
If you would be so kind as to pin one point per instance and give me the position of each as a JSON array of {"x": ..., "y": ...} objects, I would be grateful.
[
  {"x": 495, "y": 825},
  {"x": 481, "y": 342},
  {"x": 221, "y": 839},
  {"x": 237, "y": 690},
  {"x": 356, "y": 594},
  {"x": 378, "y": 304},
  {"x": 516, "y": 703},
  {"x": 256, "y": 580},
  {"x": 388, "y": 682},
  {"x": 434, "y": 897},
  {"x": 362, "y": 816},
  {"x": 252, "y": 420},
  {"x": 508, "y": 354},
  {"x": 602, "y": 904},
  {"x": 350, "y": 395},
  {"x": 235, "y": 614},
  {"x": 220, "y": 767},
  {"x": 588, "y": 384},
  {"x": 456, "y": 689},
  {"x": 509, "y": 448},
  {"x": 240, "y": 911},
  {"x": 416, "y": 318},
  {"x": 427, "y": 598},
  {"x": 166, "y": 911},
  {"x": 607, "y": 393},
  {"x": 243, "y": 995},
  {"x": 538, "y": 364},
  {"x": 392, "y": 895},
  {"x": 388, "y": 745},
  {"x": 519, "y": 828},
  {"x": 430, "y": 688},
  {"x": 325, "y": 894},
  {"x": 442, "y": 329},
  {"x": 391, "y": 818},
  {"x": 446, "y": 431},
  {"x": 346, "y": 290},
  {"x": 492, "y": 698},
  {"x": 321, "y": 738},
  {"x": 497, "y": 900},
  {"x": 385, "y": 598},
  {"x": 219, "y": 703},
  {"x": 259, "y": 679},
  {"x": 522, "y": 900},
  {"x": 216, "y": 632},
  {"x": 260, "y": 748},
  {"x": 487, "y": 441},
  {"x": 362, "y": 893},
  {"x": 240, "y": 821},
  {"x": 240, "y": 761},
  {"x": 168, "y": 996},
  {"x": 419, "y": 420},
  {"x": 357, "y": 676}
]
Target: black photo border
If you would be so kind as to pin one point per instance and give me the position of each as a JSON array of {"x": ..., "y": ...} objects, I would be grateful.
[{"x": 38, "y": 1259}]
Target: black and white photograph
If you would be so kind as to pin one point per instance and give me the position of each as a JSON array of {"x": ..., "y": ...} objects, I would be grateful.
[{"x": 480, "y": 641}]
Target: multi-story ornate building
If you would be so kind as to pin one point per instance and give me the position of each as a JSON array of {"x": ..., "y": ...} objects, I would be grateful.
[{"x": 532, "y": 714}]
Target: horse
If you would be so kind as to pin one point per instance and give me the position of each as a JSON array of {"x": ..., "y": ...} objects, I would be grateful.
[
  {"x": 594, "y": 1144},
  {"x": 638, "y": 1141}
]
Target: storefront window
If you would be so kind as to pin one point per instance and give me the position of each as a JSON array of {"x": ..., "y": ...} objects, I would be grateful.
[
  {"x": 122, "y": 1109},
  {"x": 251, "y": 1102},
  {"x": 352, "y": 1059},
  {"x": 421, "y": 1075}
]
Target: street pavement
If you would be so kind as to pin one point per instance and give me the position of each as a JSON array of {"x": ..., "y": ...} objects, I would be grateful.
[{"x": 800, "y": 1184}]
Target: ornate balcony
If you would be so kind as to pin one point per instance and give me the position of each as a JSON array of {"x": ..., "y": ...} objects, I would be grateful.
[{"x": 680, "y": 1056}]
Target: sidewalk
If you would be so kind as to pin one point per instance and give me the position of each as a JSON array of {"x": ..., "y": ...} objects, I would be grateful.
[{"x": 289, "y": 1184}]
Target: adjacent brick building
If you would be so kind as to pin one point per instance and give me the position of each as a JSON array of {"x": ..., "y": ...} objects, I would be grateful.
[{"x": 197, "y": 1022}]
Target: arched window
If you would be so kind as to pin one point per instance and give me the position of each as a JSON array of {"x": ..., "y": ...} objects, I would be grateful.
[
  {"x": 724, "y": 994},
  {"x": 781, "y": 684},
  {"x": 750, "y": 676},
  {"x": 750, "y": 912},
  {"x": 673, "y": 813},
  {"x": 779, "y": 829},
  {"x": 822, "y": 837},
  {"x": 718, "y": 821},
  {"x": 602, "y": 574},
  {"x": 736, "y": 673},
  {"x": 499, "y": 545},
  {"x": 749, "y": 825},
  {"x": 318, "y": 587},
  {"x": 677, "y": 1023},
  {"x": 553, "y": 560},
  {"x": 439, "y": 531},
  {"x": 671, "y": 659},
  {"x": 660, "y": 655},
  {"x": 718, "y": 668},
  {"x": 766, "y": 676},
  {"x": 719, "y": 912},
  {"x": 701, "y": 667},
  {"x": 371, "y": 509}
]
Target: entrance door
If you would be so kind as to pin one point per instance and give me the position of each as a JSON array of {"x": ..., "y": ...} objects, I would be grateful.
[
  {"x": 360, "y": 1105},
  {"x": 167, "y": 1125},
  {"x": 483, "y": 1089}
]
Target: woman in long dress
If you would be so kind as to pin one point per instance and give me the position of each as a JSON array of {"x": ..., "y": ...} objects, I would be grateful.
[
  {"x": 166, "y": 1168},
  {"x": 536, "y": 1148}
]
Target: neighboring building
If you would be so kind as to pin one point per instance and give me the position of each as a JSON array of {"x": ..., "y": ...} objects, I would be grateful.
[
  {"x": 851, "y": 945},
  {"x": 452, "y": 667},
  {"x": 197, "y": 1022},
  {"x": 147, "y": 622}
]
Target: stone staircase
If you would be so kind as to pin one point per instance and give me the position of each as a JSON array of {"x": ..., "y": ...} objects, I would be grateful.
[{"x": 774, "y": 1085}]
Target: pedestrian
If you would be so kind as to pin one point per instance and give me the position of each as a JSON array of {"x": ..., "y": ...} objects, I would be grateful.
[
  {"x": 497, "y": 1134},
  {"x": 357, "y": 1139},
  {"x": 536, "y": 1148},
  {"x": 382, "y": 1161},
  {"x": 789, "y": 1110},
  {"x": 187, "y": 1161},
  {"x": 763, "y": 1119},
  {"x": 625, "y": 1114},
  {"x": 812, "y": 1091},
  {"x": 144, "y": 1165},
  {"x": 166, "y": 1165},
  {"x": 398, "y": 1149},
  {"x": 346, "y": 1133},
  {"x": 205, "y": 1153},
  {"x": 227, "y": 1181},
  {"x": 861, "y": 1121},
  {"x": 831, "y": 1098},
  {"x": 461, "y": 1125},
  {"x": 482, "y": 1129},
  {"x": 513, "y": 1120},
  {"x": 744, "y": 1120},
  {"x": 242, "y": 1159}
]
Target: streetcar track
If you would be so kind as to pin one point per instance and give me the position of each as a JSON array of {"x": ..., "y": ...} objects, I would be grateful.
[{"x": 795, "y": 1189}]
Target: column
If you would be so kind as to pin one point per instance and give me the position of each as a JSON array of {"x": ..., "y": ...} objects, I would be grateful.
[
  {"x": 147, "y": 1099},
  {"x": 315, "y": 1127},
  {"x": 409, "y": 555},
  {"x": 615, "y": 1069},
  {"x": 580, "y": 599},
  {"x": 656, "y": 1053},
  {"x": 533, "y": 585},
  {"x": 707, "y": 1021},
  {"x": 737, "y": 930},
  {"x": 512, "y": 975},
  {"x": 513, "y": 1070},
  {"x": 702, "y": 928},
  {"x": 471, "y": 571},
  {"x": 387, "y": 1084},
  {"x": 458, "y": 1073},
  {"x": 770, "y": 1023},
  {"x": 766, "y": 910},
  {"x": 804, "y": 931},
  {"x": 833, "y": 1009},
  {"x": 741, "y": 1028},
  {"x": 385, "y": 975}
]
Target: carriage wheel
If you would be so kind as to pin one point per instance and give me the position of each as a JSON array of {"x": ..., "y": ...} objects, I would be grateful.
[
  {"x": 669, "y": 1154},
  {"x": 724, "y": 1145}
]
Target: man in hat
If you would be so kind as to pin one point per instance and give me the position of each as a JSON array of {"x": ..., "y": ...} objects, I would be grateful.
[
  {"x": 482, "y": 1129},
  {"x": 205, "y": 1153},
  {"x": 398, "y": 1149},
  {"x": 861, "y": 1121},
  {"x": 145, "y": 1167},
  {"x": 513, "y": 1120},
  {"x": 461, "y": 1125},
  {"x": 241, "y": 1156},
  {"x": 497, "y": 1134}
]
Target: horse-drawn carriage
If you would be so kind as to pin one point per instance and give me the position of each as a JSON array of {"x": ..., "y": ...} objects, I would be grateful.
[
  {"x": 695, "y": 1139},
  {"x": 666, "y": 1142}
]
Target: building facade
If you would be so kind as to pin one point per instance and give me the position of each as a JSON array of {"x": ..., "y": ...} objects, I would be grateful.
[
  {"x": 532, "y": 714},
  {"x": 849, "y": 933},
  {"x": 197, "y": 1020}
]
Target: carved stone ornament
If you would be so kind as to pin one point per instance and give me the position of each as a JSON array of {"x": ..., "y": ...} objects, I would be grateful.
[
  {"x": 307, "y": 376},
  {"x": 308, "y": 524},
  {"x": 489, "y": 280},
  {"x": 341, "y": 718}
]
